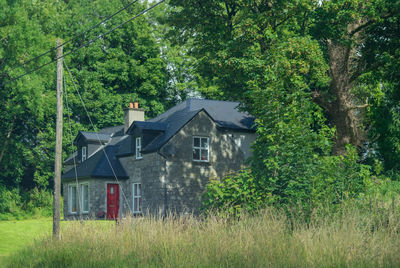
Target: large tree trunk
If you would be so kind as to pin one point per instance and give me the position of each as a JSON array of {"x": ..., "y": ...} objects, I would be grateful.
[
  {"x": 342, "y": 112},
  {"x": 342, "y": 107},
  {"x": 339, "y": 104}
]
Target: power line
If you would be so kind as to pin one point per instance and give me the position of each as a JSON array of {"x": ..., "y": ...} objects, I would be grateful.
[
  {"x": 71, "y": 77},
  {"x": 74, "y": 37},
  {"x": 72, "y": 146},
  {"x": 91, "y": 41}
]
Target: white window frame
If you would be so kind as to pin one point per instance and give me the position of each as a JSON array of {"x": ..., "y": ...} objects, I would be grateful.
[
  {"x": 200, "y": 148},
  {"x": 82, "y": 199},
  {"x": 84, "y": 153},
  {"x": 138, "y": 147},
  {"x": 70, "y": 190},
  {"x": 136, "y": 197}
]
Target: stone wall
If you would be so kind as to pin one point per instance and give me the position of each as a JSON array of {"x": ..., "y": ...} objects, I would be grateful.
[
  {"x": 244, "y": 140},
  {"x": 186, "y": 179},
  {"x": 171, "y": 181},
  {"x": 150, "y": 172},
  {"x": 67, "y": 213},
  {"x": 97, "y": 197}
]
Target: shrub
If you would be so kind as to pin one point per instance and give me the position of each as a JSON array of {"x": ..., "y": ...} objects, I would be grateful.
[
  {"x": 233, "y": 194},
  {"x": 10, "y": 200},
  {"x": 330, "y": 181},
  {"x": 40, "y": 202},
  {"x": 17, "y": 205}
]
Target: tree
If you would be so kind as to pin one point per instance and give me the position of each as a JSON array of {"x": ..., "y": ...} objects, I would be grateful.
[
  {"x": 126, "y": 64},
  {"x": 341, "y": 27},
  {"x": 234, "y": 37},
  {"x": 25, "y": 102},
  {"x": 382, "y": 57},
  {"x": 278, "y": 61}
]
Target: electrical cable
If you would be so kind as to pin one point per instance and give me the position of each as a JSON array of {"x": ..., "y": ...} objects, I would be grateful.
[
  {"x": 81, "y": 34},
  {"x": 91, "y": 41},
  {"x": 97, "y": 134},
  {"x": 73, "y": 156}
]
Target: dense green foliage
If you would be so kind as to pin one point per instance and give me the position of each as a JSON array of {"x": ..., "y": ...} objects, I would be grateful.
[
  {"x": 305, "y": 70},
  {"x": 333, "y": 181},
  {"x": 128, "y": 64},
  {"x": 320, "y": 77}
]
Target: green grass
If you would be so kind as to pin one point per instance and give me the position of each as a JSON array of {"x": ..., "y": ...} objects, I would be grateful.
[
  {"x": 15, "y": 235},
  {"x": 348, "y": 239}
]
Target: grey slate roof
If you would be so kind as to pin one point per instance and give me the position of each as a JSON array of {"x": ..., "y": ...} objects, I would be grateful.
[
  {"x": 93, "y": 136},
  {"x": 157, "y": 126},
  {"x": 97, "y": 166},
  {"x": 114, "y": 131},
  {"x": 175, "y": 122},
  {"x": 124, "y": 146},
  {"x": 224, "y": 113},
  {"x": 70, "y": 159}
]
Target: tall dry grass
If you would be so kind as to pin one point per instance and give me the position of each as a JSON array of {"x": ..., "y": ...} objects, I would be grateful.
[{"x": 347, "y": 239}]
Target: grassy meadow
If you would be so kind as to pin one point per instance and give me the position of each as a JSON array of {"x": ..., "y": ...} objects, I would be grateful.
[
  {"x": 17, "y": 234},
  {"x": 347, "y": 239}
]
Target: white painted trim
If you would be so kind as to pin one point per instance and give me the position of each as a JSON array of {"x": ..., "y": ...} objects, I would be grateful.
[
  {"x": 140, "y": 147},
  {"x": 81, "y": 192},
  {"x": 137, "y": 196},
  {"x": 201, "y": 148},
  {"x": 120, "y": 196},
  {"x": 70, "y": 198},
  {"x": 84, "y": 155}
]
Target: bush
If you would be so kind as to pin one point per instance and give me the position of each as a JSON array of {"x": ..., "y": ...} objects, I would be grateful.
[
  {"x": 340, "y": 178},
  {"x": 10, "y": 201},
  {"x": 331, "y": 181},
  {"x": 40, "y": 202},
  {"x": 233, "y": 194},
  {"x": 33, "y": 203}
]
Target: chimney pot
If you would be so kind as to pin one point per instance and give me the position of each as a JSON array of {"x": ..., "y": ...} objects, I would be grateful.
[{"x": 132, "y": 113}]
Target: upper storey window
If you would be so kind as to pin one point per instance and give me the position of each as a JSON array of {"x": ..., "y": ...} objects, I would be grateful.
[
  {"x": 84, "y": 153},
  {"x": 138, "y": 148},
  {"x": 201, "y": 150}
]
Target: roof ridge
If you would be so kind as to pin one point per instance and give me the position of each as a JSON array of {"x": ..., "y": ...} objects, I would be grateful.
[
  {"x": 83, "y": 131},
  {"x": 169, "y": 110},
  {"x": 213, "y": 100}
]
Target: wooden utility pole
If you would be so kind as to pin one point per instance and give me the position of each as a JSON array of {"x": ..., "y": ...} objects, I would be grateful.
[{"x": 58, "y": 155}]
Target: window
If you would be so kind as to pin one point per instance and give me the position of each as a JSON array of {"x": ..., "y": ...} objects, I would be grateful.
[
  {"x": 200, "y": 149},
  {"x": 137, "y": 197},
  {"x": 138, "y": 148},
  {"x": 73, "y": 201},
  {"x": 85, "y": 198},
  {"x": 84, "y": 153}
]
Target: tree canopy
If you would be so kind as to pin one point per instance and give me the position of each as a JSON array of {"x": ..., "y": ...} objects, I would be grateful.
[
  {"x": 314, "y": 74},
  {"x": 321, "y": 77},
  {"x": 127, "y": 64}
]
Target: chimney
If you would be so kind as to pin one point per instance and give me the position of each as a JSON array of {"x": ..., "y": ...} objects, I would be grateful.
[{"x": 132, "y": 113}]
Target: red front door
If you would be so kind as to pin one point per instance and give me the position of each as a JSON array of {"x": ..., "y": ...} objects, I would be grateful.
[{"x": 112, "y": 201}]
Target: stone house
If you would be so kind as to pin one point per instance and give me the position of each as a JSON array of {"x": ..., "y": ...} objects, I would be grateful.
[{"x": 156, "y": 166}]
